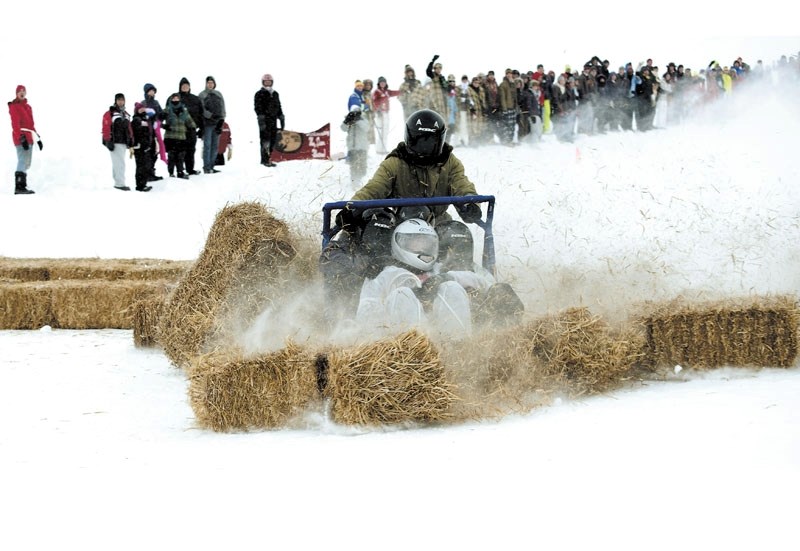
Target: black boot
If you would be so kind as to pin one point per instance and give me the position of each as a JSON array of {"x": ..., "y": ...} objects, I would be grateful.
[{"x": 21, "y": 184}]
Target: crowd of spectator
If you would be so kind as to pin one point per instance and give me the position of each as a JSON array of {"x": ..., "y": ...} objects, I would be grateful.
[{"x": 593, "y": 98}]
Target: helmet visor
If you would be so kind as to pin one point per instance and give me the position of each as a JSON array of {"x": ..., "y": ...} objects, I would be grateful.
[
  {"x": 425, "y": 144},
  {"x": 425, "y": 246}
]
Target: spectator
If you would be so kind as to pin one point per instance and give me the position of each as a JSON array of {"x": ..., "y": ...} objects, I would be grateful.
[
  {"x": 465, "y": 105},
  {"x": 143, "y": 143},
  {"x": 412, "y": 96},
  {"x": 225, "y": 149},
  {"x": 367, "y": 109},
  {"x": 494, "y": 113},
  {"x": 357, "y": 97},
  {"x": 646, "y": 90},
  {"x": 118, "y": 137},
  {"x": 380, "y": 103},
  {"x": 451, "y": 99},
  {"x": 477, "y": 113},
  {"x": 177, "y": 123},
  {"x": 267, "y": 104},
  {"x": 195, "y": 108},
  {"x": 23, "y": 131},
  {"x": 213, "y": 119},
  {"x": 438, "y": 87},
  {"x": 507, "y": 92},
  {"x": 150, "y": 101},
  {"x": 356, "y": 126}
]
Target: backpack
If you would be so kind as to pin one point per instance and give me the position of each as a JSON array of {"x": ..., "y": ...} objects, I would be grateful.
[{"x": 107, "y": 126}]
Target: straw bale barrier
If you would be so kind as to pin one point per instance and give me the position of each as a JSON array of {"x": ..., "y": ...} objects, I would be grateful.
[
  {"x": 244, "y": 253},
  {"x": 26, "y": 305},
  {"x": 228, "y": 391},
  {"x": 513, "y": 370},
  {"x": 47, "y": 269},
  {"x": 391, "y": 381},
  {"x": 97, "y": 304},
  {"x": 738, "y": 332},
  {"x": 146, "y": 316}
]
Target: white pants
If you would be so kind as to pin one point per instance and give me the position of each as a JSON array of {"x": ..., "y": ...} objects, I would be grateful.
[
  {"x": 382, "y": 131},
  {"x": 118, "y": 164},
  {"x": 388, "y": 304}
]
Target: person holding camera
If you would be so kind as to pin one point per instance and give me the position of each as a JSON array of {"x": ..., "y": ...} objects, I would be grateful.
[{"x": 23, "y": 132}]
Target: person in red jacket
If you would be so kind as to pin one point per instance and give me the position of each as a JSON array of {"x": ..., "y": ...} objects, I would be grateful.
[
  {"x": 380, "y": 102},
  {"x": 23, "y": 132}
]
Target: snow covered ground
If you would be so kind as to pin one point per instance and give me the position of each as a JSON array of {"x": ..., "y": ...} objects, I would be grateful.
[{"x": 98, "y": 446}]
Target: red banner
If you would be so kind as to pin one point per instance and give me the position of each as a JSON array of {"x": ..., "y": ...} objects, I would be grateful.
[{"x": 292, "y": 145}]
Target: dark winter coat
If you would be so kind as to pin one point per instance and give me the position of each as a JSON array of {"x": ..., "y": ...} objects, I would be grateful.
[
  {"x": 267, "y": 106},
  {"x": 121, "y": 131},
  {"x": 177, "y": 122},
  {"x": 21, "y": 117},
  {"x": 397, "y": 176},
  {"x": 213, "y": 107},
  {"x": 143, "y": 135},
  {"x": 193, "y": 105}
]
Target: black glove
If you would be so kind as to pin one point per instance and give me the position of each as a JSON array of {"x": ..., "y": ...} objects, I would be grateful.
[
  {"x": 435, "y": 57},
  {"x": 40, "y": 144},
  {"x": 109, "y": 145},
  {"x": 23, "y": 141},
  {"x": 430, "y": 286},
  {"x": 165, "y": 126},
  {"x": 349, "y": 219},
  {"x": 218, "y": 128},
  {"x": 470, "y": 213},
  {"x": 351, "y": 118},
  {"x": 283, "y": 123}
]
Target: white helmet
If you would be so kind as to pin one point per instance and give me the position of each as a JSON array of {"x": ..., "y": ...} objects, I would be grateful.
[{"x": 415, "y": 244}]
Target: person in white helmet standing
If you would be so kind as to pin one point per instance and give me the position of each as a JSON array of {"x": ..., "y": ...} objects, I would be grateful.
[{"x": 267, "y": 103}]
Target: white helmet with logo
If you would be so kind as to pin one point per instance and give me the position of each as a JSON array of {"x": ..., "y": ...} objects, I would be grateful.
[{"x": 415, "y": 244}]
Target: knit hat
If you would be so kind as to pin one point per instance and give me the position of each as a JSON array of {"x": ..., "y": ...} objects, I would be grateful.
[
  {"x": 20, "y": 87},
  {"x": 211, "y": 79},
  {"x": 410, "y": 68},
  {"x": 119, "y": 95},
  {"x": 148, "y": 87},
  {"x": 381, "y": 79}
]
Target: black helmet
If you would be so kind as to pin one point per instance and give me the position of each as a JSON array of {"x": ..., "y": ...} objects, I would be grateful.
[
  {"x": 455, "y": 245},
  {"x": 377, "y": 233},
  {"x": 425, "y": 135}
]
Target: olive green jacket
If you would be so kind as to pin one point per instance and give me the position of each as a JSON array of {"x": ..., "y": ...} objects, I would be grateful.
[{"x": 398, "y": 177}]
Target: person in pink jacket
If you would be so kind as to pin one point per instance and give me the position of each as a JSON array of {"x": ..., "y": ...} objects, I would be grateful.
[
  {"x": 24, "y": 135},
  {"x": 380, "y": 103}
]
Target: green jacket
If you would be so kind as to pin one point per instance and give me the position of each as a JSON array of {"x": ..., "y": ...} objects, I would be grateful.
[{"x": 397, "y": 177}]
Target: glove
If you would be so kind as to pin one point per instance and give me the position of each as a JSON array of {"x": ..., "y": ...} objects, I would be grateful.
[
  {"x": 429, "y": 288},
  {"x": 23, "y": 141},
  {"x": 283, "y": 123},
  {"x": 350, "y": 118},
  {"x": 218, "y": 128},
  {"x": 109, "y": 145},
  {"x": 435, "y": 57},
  {"x": 40, "y": 144},
  {"x": 349, "y": 219},
  {"x": 165, "y": 126},
  {"x": 470, "y": 213}
]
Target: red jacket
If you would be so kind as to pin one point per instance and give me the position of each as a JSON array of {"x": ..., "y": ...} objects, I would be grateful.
[
  {"x": 21, "y": 117},
  {"x": 380, "y": 98}
]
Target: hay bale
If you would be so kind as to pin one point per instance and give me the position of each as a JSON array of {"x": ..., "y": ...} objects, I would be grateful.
[
  {"x": 99, "y": 304},
  {"x": 244, "y": 253},
  {"x": 392, "y": 381},
  {"x": 45, "y": 269},
  {"x": 146, "y": 315},
  {"x": 496, "y": 373},
  {"x": 228, "y": 391},
  {"x": 585, "y": 353},
  {"x": 738, "y": 332},
  {"x": 25, "y": 305}
]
